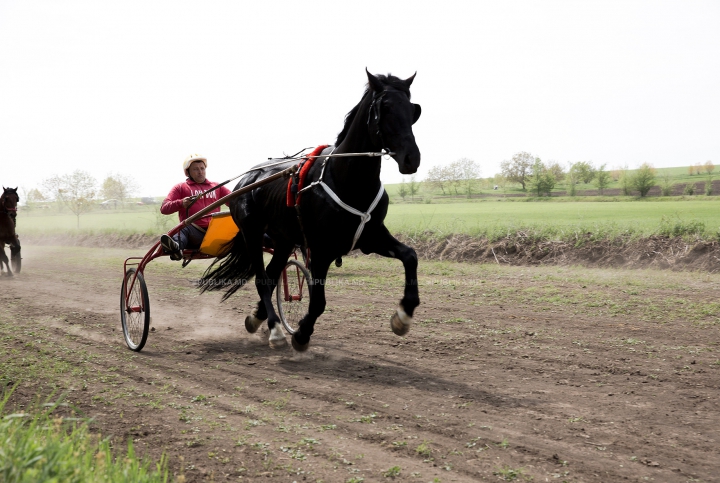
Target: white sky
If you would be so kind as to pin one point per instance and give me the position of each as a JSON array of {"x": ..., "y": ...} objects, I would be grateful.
[{"x": 135, "y": 86}]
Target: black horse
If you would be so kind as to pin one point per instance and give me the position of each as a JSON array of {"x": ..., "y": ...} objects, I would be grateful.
[
  {"x": 382, "y": 119},
  {"x": 8, "y": 211}
]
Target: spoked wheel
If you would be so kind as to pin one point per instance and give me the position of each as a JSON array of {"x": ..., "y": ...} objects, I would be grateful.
[
  {"x": 293, "y": 295},
  {"x": 15, "y": 259},
  {"x": 135, "y": 314}
]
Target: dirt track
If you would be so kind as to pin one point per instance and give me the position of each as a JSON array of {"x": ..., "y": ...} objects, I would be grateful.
[{"x": 559, "y": 374}]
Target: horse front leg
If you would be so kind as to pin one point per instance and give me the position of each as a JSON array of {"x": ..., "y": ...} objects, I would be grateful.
[
  {"x": 301, "y": 339},
  {"x": 4, "y": 260},
  {"x": 386, "y": 245}
]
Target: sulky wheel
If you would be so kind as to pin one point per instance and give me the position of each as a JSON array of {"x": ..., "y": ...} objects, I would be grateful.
[
  {"x": 135, "y": 315},
  {"x": 293, "y": 295}
]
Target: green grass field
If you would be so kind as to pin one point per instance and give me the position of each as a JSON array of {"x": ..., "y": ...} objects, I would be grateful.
[
  {"x": 490, "y": 217},
  {"x": 497, "y": 217}
]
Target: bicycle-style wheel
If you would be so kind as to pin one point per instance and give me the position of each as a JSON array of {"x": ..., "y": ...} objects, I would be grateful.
[
  {"x": 135, "y": 314},
  {"x": 293, "y": 295}
]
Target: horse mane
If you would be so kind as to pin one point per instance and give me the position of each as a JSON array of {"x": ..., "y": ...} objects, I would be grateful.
[{"x": 387, "y": 80}]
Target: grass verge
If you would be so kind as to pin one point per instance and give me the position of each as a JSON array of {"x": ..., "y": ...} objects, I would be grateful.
[{"x": 41, "y": 445}]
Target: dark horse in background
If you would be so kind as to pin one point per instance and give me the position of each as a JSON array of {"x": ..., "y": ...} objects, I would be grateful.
[
  {"x": 8, "y": 211},
  {"x": 382, "y": 119}
]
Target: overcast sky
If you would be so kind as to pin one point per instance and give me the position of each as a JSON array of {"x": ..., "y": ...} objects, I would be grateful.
[{"x": 135, "y": 86}]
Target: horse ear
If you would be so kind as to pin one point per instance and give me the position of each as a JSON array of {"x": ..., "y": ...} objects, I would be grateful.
[
  {"x": 15, "y": 188},
  {"x": 409, "y": 80},
  {"x": 374, "y": 82},
  {"x": 416, "y": 114}
]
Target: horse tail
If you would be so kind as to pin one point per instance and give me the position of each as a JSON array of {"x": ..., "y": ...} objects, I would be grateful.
[{"x": 231, "y": 272}]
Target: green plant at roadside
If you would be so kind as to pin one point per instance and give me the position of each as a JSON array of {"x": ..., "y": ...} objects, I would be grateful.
[
  {"x": 675, "y": 226},
  {"x": 708, "y": 186},
  {"x": 510, "y": 474},
  {"x": 49, "y": 447},
  {"x": 424, "y": 449},
  {"x": 689, "y": 189},
  {"x": 392, "y": 472}
]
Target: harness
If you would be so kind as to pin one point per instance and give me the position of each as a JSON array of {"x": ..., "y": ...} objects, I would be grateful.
[
  {"x": 296, "y": 188},
  {"x": 296, "y": 184}
]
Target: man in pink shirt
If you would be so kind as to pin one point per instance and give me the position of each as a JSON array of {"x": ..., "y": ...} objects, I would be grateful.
[{"x": 181, "y": 197}]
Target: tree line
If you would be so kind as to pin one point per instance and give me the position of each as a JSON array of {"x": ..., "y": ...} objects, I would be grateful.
[
  {"x": 80, "y": 192},
  {"x": 462, "y": 177}
]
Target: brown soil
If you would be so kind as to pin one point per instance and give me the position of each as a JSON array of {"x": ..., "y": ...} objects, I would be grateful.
[
  {"x": 490, "y": 379},
  {"x": 653, "y": 252}
]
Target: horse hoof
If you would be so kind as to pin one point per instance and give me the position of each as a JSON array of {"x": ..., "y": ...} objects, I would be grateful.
[
  {"x": 299, "y": 347},
  {"x": 277, "y": 338},
  {"x": 252, "y": 323},
  {"x": 400, "y": 322}
]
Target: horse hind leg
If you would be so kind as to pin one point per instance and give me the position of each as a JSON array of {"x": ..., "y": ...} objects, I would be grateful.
[
  {"x": 4, "y": 260},
  {"x": 256, "y": 318}
]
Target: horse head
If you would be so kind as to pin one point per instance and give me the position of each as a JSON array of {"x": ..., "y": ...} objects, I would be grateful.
[
  {"x": 9, "y": 199},
  {"x": 391, "y": 116}
]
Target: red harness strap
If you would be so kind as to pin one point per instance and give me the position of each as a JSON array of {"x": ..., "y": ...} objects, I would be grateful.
[{"x": 293, "y": 198}]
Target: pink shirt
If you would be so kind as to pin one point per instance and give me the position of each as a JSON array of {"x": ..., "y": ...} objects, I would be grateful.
[{"x": 174, "y": 199}]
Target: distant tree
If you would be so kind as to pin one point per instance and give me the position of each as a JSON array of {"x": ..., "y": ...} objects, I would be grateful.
[
  {"x": 625, "y": 181},
  {"x": 541, "y": 180},
  {"x": 691, "y": 170},
  {"x": 698, "y": 168},
  {"x": 118, "y": 187},
  {"x": 454, "y": 175},
  {"x": 403, "y": 190},
  {"x": 556, "y": 170},
  {"x": 32, "y": 197},
  {"x": 709, "y": 167},
  {"x": 76, "y": 190},
  {"x": 644, "y": 179},
  {"x": 666, "y": 186},
  {"x": 615, "y": 174},
  {"x": 468, "y": 172},
  {"x": 518, "y": 168},
  {"x": 708, "y": 185},
  {"x": 413, "y": 187},
  {"x": 602, "y": 178},
  {"x": 438, "y": 178},
  {"x": 689, "y": 189},
  {"x": 584, "y": 170},
  {"x": 571, "y": 183}
]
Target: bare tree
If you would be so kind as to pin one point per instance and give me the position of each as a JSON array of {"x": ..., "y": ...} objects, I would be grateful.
[
  {"x": 518, "y": 169},
  {"x": 119, "y": 187},
  {"x": 709, "y": 167},
  {"x": 403, "y": 190},
  {"x": 76, "y": 190},
  {"x": 413, "y": 186},
  {"x": 467, "y": 171},
  {"x": 438, "y": 177}
]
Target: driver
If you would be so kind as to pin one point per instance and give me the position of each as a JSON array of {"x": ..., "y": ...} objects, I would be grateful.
[{"x": 180, "y": 198}]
